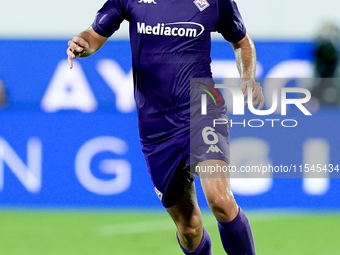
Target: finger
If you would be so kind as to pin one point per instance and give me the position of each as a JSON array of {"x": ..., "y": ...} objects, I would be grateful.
[
  {"x": 72, "y": 47},
  {"x": 80, "y": 42},
  {"x": 70, "y": 57},
  {"x": 254, "y": 86},
  {"x": 256, "y": 101},
  {"x": 75, "y": 47},
  {"x": 256, "y": 92},
  {"x": 262, "y": 103},
  {"x": 256, "y": 96},
  {"x": 71, "y": 53},
  {"x": 70, "y": 62}
]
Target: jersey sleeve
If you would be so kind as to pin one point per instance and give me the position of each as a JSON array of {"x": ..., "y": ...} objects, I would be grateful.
[
  {"x": 109, "y": 18},
  {"x": 230, "y": 23}
]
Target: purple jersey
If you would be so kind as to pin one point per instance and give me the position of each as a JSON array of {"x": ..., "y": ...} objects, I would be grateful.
[{"x": 170, "y": 43}]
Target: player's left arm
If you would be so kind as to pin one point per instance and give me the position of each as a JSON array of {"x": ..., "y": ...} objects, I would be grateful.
[{"x": 245, "y": 55}]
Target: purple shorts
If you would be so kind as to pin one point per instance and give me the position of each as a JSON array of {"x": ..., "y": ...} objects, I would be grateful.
[{"x": 169, "y": 160}]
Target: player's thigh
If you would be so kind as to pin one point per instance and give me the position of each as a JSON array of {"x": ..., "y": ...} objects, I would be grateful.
[
  {"x": 186, "y": 212},
  {"x": 217, "y": 190}
]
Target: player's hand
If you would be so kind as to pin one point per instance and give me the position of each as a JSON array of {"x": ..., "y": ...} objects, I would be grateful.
[
  {"x": 77, "y": 47},
  {"x": 257, "y": 94}
]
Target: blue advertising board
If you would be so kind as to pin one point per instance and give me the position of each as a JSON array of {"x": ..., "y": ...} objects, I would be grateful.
[{"x": 69, "y": 138}]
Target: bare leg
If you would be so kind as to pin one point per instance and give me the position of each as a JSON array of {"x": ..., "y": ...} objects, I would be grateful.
[
  {"x": 233, "y": 224},
  {"x": 188, "y": 218},
  {"x": 218, "y": 193}
]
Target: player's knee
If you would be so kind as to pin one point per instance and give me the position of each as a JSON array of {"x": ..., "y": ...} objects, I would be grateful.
[
  {"x": 190, "y": 229},
  {"x": 223, "y": 207}
]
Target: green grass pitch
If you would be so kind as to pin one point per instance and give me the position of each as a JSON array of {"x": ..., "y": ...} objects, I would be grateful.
[{"x": 140, "y": 232}]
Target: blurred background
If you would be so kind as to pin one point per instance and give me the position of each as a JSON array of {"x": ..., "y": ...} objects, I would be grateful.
[{"x": 72, "y": 176}]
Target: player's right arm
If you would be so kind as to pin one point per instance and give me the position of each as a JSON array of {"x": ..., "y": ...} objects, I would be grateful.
[
  {"x": 107, "y": 21},
  {"x": 85, "y": 44}
]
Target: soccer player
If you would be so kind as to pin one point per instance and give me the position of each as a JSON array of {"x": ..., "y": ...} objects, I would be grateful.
[{"x": 170, "y": 43}]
